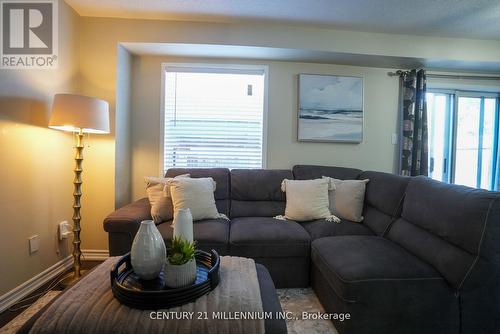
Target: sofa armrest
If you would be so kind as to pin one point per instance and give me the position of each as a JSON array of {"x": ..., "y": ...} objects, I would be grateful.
[{"x": 128, "y": 218}]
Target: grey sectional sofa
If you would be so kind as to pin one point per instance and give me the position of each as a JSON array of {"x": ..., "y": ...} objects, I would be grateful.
[{"x": 426, "y": 258}]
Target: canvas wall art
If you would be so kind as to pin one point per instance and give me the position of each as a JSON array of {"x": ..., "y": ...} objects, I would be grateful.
[{"x": 330, "y": 108}]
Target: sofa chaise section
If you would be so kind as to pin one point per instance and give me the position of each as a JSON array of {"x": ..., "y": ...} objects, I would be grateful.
[
  {"x": 435, "y": 270},
  {"x": 384, "y": 288}
]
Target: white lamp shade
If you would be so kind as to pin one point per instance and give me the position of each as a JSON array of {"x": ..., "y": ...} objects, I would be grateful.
[{"x": 77, "y": 112}]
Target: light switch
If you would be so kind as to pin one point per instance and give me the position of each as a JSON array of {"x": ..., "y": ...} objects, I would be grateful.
[
  {"x": 34, "y": 243},
  {"x": 394, "y": 139}
]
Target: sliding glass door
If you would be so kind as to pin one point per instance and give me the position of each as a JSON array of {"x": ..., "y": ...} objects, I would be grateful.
[
  {"x": 440, "y": 112},
  {"x": 463, "y": 138}
]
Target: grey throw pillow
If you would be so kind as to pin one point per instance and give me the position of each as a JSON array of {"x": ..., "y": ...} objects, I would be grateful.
[{"x": 347, "y": 198}]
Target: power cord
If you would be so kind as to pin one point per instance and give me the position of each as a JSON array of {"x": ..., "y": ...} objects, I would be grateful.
[{"x": 58, "y": 279}]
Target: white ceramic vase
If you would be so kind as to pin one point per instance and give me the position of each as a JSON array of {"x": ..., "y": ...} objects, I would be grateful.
[
  {"x": 177, "y": 276},
  {"x": 148, "y": 254},
  {"x": 183, "y": 224}
]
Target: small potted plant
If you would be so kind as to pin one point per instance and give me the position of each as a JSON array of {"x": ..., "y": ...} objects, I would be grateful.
[{"x": 180, "y": 267}]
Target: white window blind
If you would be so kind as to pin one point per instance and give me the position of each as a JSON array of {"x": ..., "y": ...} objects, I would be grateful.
[{"x": 213, "y": 118}]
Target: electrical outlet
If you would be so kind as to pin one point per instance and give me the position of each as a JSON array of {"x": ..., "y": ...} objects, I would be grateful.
[
  {"x": 34, "y": 242},
  {"x": 64, "y": 230}
]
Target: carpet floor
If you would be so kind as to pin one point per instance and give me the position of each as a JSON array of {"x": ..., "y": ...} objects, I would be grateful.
[
  {"x": 304, "y": 300},
  {"x": 292, "y": 300},
  {"x": 15, "y": 324}
]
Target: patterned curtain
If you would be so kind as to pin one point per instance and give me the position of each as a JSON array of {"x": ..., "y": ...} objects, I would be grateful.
[{"x": 413, "y": 115}]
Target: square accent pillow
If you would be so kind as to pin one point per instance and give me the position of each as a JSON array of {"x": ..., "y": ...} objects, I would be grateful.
[
  {"x": 161, "y": 206},
  {"x": 197, "y": 194},
  {"x": 347, "y": 198},
  {"x": 306, "y": 199}
]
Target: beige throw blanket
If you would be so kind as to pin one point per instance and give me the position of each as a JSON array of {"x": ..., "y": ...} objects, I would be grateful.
[{"x": 89, "y": 307}]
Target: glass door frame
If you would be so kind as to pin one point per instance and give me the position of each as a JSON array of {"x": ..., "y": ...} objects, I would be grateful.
[
  {"x": 449, "y": 132},
  {"x": 451, "y": 124},
  {"x": 482, "y": 95}
]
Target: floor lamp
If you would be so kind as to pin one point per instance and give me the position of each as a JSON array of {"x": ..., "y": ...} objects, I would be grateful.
[{"x": 78, "y": 114}]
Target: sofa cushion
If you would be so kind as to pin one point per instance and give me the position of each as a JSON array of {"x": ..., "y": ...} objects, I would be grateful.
[
  {"x": 220, "y": 176},
  {"x": 355, "y": 265},
  {"x": 257, "y": 192},
  {"x": 383, "y": 199},
  {"x": 307, "y": 172},
  {"x": 451, "y": 228},
  {"x": 268, "y": 237},
  {"x": 209, "y": 234},
  {"x": 321, "y": 228}
]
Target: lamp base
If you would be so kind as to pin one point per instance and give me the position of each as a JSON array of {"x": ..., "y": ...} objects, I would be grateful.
[{"x": 70, "y": 279}]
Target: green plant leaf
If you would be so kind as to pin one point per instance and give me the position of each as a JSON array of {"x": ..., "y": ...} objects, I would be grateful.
[{"x": 181, "y": 251}]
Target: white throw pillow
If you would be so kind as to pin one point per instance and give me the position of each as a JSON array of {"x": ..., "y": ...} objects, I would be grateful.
[
  {"x": 307, "y": 199},
  {"x": 197, "y": 194},
  {"x": 347, "y": 198},
  {"x": 161, "y": 205}
]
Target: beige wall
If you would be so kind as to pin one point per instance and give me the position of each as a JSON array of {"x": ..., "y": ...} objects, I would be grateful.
[
  {"x": 122, "y": 133},
  {"x": 36, "y": 162},
  {"x": 283, "y": 150}
]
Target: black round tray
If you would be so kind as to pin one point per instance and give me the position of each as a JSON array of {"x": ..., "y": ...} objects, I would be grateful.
[{"x": 134, "y": 292}]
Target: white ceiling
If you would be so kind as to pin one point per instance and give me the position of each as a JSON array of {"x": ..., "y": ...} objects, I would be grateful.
[{"x": 453, "y": 18}]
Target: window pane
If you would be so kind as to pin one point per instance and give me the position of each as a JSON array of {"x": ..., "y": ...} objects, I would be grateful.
[
  {"x": 213, "y": 120},
  {"x": 488, "y": 143},
  {"x": 438, "y": 112},
  {"x": 467, "y": 141}
]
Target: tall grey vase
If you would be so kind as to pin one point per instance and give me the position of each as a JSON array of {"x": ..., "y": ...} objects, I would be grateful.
[{"x": 148, "y": 252}]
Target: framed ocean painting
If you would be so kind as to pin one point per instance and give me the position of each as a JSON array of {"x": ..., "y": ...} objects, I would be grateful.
[{"x": 330, "y": 108}]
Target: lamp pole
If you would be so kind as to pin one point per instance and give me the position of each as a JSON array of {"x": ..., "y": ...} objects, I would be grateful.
[{"x": 77, "y": 194}]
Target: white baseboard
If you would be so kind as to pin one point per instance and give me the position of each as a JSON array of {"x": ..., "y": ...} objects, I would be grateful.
[
  {"x": 23, "y": 290},
  {"x": 95, "y": 254}
]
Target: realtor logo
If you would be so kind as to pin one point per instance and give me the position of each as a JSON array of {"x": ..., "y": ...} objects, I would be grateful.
[{"x": 29, "y": 34}]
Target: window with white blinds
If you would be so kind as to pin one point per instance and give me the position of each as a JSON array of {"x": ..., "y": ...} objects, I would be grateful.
[{"x": 214, "y": 117}]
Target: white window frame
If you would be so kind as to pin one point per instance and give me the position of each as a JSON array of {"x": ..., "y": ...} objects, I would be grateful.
[{"x": 212, "y": 68}]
